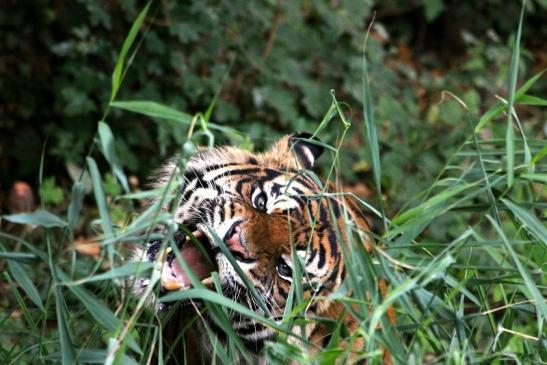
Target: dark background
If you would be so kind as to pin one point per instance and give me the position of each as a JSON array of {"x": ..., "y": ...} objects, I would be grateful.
[{"x": 278, "y": 60}]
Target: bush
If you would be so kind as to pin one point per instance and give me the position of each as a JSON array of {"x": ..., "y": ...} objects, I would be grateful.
[{"x": 462, "y": 255}]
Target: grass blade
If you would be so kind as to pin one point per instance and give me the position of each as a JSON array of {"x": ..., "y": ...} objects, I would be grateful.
[
  {"x": 529, "y": 220},
  {"x": 153, "y": 110},
  {"x": 107, "y": 146},
  {"x": 510, "y": 132},
  {"x": 92, "y": 356},
  {"x": 18, "y": 256},
  {"x": 100, "y": 312},
  {"x": 211, "y": 296},
  {"x": 40, "y": 218},
  {"x": 106, "y": 220},
  {"x": 529, "y": 283},
  {"x": 371, "y": 132},
  {"x": 499, "y": 107},
  {"x": 117, "y": 75},
  {"x": 131, "y": 268},
  {"x": 68, "y": 356},
  {"x": 532, "y": 100},
  {"x": 157, "y": 110},
  {"x": 22, "y": 278},
  {"x": 77, "y": 197}
]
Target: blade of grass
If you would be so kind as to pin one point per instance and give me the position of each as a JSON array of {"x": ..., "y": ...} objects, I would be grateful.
[
  {"x": 23, "y": 279},
  {"x": 532, "y": 100},
  {"x": 371, "y": 134},
  {"x": 153, "y": 110},
  {"x": 77, "y": 197},
  {"x": 100, "y": 312},
  {"x": 499, "y": 107},
  {"x": 157, "y": 110},
  {"x": 91, "y": 356},
  {"x": 117, "y": 75},
  {"x": 529, "y": 220},
  {"x": 106, "y": 220},
  {"x": 68, "y": 355},
  {"x": 131, "y": 268},
  {"x": 40, "y": 218},
  {"x": 510, "y": 132},
  {"x": 107, "y": 147},
  {"x": 529, "y": 283},
  {"x": 18, "y": 256}
]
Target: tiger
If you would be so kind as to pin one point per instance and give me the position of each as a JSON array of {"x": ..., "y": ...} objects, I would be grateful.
[{"x": 267, "y": 210}]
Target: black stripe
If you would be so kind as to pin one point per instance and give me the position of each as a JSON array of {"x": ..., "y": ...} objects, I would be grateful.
[
  {"x": 240, "y": 257},
  {"x": 322, "y": 253},
  {"x": 240, "y": 184},
  {"x": 222, "y": 213},
  {"x": 323, "y": 215},
  {"x": 331, "y": 280},
  {"x": 254, "y": 346},
  {"x": 332, "y": 242},
  {"x": 250, "y": 329},
  {"x": 247, "y": 171},
  {"x": 335, "y": 207},
  {"x": 325, "y": 341},
  {"x": 282, "y": 292}
]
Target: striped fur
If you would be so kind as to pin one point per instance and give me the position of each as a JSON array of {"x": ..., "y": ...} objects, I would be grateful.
[{"x": 273, "y": 203}]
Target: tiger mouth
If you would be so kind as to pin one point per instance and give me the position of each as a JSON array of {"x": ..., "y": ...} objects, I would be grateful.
[{"x": 198, "y": 253}]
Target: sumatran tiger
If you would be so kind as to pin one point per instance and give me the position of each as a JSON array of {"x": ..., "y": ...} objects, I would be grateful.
[{"x": 261, "y": 206}]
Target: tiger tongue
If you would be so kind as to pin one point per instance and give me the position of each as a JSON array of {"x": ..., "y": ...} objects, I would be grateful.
[{"x": 173, "y": 276}]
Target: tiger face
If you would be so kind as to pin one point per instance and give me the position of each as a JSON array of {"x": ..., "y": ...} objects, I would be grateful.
[{"x": 266, "y": 212}]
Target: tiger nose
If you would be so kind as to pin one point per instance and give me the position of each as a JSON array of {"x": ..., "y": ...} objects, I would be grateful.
[{"x": 232, "y": 238}]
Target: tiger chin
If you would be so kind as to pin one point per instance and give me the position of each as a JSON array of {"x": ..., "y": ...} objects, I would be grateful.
[{"x": 260, "y": 205}]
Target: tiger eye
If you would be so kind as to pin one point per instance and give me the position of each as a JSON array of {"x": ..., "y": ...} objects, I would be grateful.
[
  {"x": 260, "y": 202},
  {"x": 283, "y": 269}
]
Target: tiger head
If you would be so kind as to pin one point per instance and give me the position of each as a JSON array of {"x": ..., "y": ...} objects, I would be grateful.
[{"x": 267, "y": 211}]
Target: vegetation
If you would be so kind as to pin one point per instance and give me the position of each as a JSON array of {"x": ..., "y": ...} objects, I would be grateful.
[{"x": 442, "y": 141}]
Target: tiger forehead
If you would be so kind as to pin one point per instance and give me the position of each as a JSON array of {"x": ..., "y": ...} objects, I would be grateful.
[{"x": 250, "y": 172}]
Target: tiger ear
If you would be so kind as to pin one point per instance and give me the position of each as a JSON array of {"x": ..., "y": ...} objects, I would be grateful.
[{"x": 304, "y": 146}]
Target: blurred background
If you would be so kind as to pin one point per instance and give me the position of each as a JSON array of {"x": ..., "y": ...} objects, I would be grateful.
[{"x": 273, "y": 64}]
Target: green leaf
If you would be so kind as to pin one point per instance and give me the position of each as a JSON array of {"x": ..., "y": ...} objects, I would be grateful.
[
  {"x": 22, "y": 278},
  {"x": 432, "y": 9},
  {"x": 371, "y": 134},
  {"x": 211, "y": 296},
  {"x": 107, "y": 147},
  {"x": 77, "y": 197},
  {"x": 538, "y": 156},
  {"x": 493, "y": 112},
  {"x": 100, "y": 312},
  {"x": 50, "y": 192},
  {"x": 530, "y": 285},
  {"x": 120, "y": 63},
  {"x": 153, "y": 110},
  {"x": 18, "y": 256},
  {"x": 499, "y": 107},
  {"x": 528, "y": 219},
  {"x": 131, "y": 268},
  {"x": 510, "y": 132},
  {"x": 40, "y": 218},
  {"x": 539, "y": 177},
  {"x": 161, "y": 111},
  {"x": 67, "y": 348},
  {"x": 106, "y": 220},
  {"x": 532, "y": 100},
  {"x": 92, "y": 356},
  {"x": 426, "y": 207}
]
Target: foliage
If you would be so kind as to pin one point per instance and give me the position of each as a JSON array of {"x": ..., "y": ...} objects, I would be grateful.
[
  {"x": 271, "y": 66},
  {"x": 463, "y": 255}
]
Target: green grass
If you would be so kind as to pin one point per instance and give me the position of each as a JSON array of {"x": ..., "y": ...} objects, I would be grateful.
[{"x": 477, "y": 297}]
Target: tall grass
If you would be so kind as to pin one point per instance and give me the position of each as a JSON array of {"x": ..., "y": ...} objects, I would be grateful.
[{"x": 478, "y": 297}]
